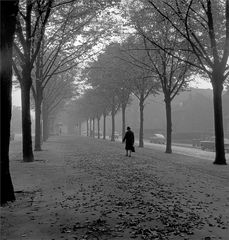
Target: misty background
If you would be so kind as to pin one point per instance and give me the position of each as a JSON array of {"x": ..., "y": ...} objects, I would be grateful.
[{"x": 192, "y": 115}]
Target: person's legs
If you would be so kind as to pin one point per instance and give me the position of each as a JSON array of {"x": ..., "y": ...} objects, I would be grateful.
[
  {"x": 129, "y": 153},
  {"x": 126, "y": 152}
]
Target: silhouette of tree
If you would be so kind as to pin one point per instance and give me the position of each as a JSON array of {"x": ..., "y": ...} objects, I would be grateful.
[
  {"x": 56, "y": 94},
  {"x": 9, "y": 11},
  {"x": 31, "y": 21},
  {"x": 108, "y": 75},
  {"x": 69, "y": 38},
  {"x": 141, "y": 79}
]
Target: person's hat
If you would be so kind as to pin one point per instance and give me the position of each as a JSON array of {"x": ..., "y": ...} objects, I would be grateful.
[{"x": 128, "y": 128}]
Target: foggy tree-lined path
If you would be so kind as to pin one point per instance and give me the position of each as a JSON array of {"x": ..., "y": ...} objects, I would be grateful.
[
  {"x": 77, "y": 63},
  {"x": 84, "y": 188}
]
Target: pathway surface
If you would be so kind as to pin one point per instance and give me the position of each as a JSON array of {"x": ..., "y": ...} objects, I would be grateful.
[
  {"x": 187, "y": 150},
  {"x": 83, "y": 188},
  {"x": 184, "y": 149}
]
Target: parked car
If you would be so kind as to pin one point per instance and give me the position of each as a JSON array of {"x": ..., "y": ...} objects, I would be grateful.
[
  {"x": 196, "y": 142},
  {"x": 157, "y": 138},
  {"x": 210, "y": 144}
]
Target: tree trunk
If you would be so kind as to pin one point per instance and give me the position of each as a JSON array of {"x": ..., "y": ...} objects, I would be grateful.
[
  {"x": 8, "y": 20},
  {"x": 104, "y": 126},
  {"x": 38, "y": 100},
  {"x": 27, "y": 147},
  {"x": 90, "y": 134},
  {"x": 98, "y": 126},
  {"x": 41, "y": 131},
  {"x": 141, "y": 106},
  {"x": 168, "y": 126},
  {"x": 93, "y": 127},
  {"x": 87, "y": 126},
  {"x": 38, "y": 124},
  {"x": 113, "y": 123},
  {"x": 123, "y": 120},
  {"x": 218, "y": 120},
  {"x": 45, "y": 124}
]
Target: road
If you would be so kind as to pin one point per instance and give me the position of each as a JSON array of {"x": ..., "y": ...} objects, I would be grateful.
[
  {"x": 188, "y": 151},
  {"x": 185, "y": 150}
]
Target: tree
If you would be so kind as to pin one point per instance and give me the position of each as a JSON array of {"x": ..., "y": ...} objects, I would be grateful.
[
  {"x": 85, "y": 106},
  {"x": 139, "y": 76},
  {"x": 31, "y": 21},
  {"x": 84, "y": 111},
  {"x": 9, "y": 11},
  {"x": 125, "y": 99},
  {"x": 204, "y": 26},
  {"x": 57, "y": 92},
  {"x": 104, "y": 107},
  {"x": 59, "y": 53},
  {"x": 109, "y": 75},
  {"x": 120, "y": 70},
  {"x": 171, "y": 71},
  {"x": 99, "y": 106},
  {"x": 94, "y": 102},
  {"x": 71, "y": 33},
  {"x": 172, "y": 74},
  {"x": 100, "y": 77}
]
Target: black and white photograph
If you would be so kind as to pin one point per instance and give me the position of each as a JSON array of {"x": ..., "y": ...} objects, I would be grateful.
[{"x": 114, "y": 120}]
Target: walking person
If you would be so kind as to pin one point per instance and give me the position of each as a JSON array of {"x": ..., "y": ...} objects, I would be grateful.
[{"x": 129, "y": 139}]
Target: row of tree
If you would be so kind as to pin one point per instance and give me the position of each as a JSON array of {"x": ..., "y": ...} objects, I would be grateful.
[
  {"x": 194, "y": 33},
  {"x": 125, "y": 70},
  {"x": 173, "y": 40},
  {"x": 52, "y": 38}
]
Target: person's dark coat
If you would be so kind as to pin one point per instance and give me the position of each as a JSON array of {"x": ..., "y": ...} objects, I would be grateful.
[{"x": 129, "y": 139}]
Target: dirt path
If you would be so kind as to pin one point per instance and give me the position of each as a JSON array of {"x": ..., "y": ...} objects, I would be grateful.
[{"x": 82, "y": 188}]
